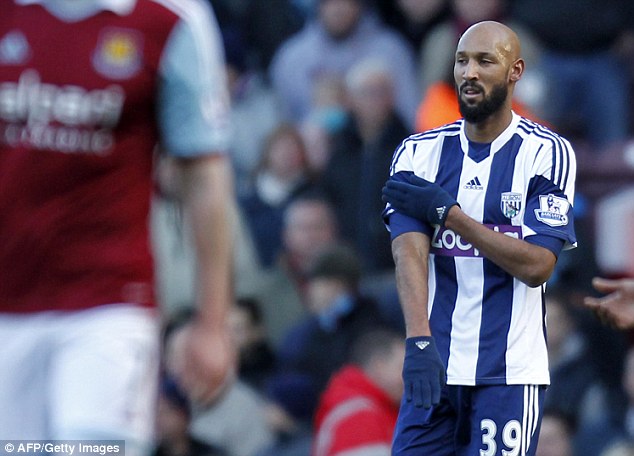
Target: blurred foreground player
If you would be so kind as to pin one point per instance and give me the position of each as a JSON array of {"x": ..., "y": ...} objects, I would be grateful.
[
  {"x": 87, "y": 90},
  {"x": 479, "y": 211}
]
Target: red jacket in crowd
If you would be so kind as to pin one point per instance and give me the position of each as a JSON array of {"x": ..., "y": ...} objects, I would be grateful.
[{"x": 354, "y": 414}]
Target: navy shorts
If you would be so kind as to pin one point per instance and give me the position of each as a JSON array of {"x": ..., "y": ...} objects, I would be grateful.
[{"x": 488, "y": 420}]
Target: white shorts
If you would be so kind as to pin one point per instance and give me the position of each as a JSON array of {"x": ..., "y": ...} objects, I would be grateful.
[{"x": 86, "y": 375}]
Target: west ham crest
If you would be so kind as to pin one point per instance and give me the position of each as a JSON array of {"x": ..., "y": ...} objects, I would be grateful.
[{"x": 119, "y": 53}]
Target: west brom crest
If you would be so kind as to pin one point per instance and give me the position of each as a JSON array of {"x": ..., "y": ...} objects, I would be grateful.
[{"x": 511, "y": 204}]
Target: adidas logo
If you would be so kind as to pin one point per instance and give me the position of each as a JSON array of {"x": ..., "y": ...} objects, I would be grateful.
[
  {"x": 474, "y": 184},
  {"x": 422, "y": 344},
  {"x": 440, "y": 211},
  {"x": 14, "y": 48}
]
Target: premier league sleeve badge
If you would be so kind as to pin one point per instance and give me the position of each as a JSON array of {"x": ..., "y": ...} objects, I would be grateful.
[{"x": 552, "y": 210}]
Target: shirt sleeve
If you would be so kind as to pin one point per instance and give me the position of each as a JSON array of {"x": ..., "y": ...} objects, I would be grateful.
[
  {"x": 395, "y": 222},
  {"x": 549, "y": 206},
  {"x": 400, "y": 223},
  {"x": 553, "y": 244},
  {"x": 193, "y": 100}
]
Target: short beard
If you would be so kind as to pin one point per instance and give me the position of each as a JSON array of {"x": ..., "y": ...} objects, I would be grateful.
[{"x": 489, "y": 105}]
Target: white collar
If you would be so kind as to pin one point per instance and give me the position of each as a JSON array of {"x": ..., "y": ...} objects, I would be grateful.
[
  {"x": 498, "y": 142},
  {"x": 121, "y": 7}
]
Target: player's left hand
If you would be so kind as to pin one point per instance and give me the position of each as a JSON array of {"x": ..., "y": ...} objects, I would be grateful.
[
  {"x": 419, "y": 198},
  {"x": 203, "y": 361},
  {"x": 423, "y": 371}
]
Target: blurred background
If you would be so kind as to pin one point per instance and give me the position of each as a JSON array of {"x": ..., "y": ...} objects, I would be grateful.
[{"x": 323, "y": 91}]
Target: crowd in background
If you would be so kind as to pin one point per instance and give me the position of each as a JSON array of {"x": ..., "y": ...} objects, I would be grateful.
[{"x": 323, "y": 91}]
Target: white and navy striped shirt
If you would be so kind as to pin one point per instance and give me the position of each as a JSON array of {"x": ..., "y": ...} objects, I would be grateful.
[{"x": 489, "y": 326}]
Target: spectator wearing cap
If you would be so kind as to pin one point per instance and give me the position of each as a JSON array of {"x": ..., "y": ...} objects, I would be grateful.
[{"x": 318, "y": 345}]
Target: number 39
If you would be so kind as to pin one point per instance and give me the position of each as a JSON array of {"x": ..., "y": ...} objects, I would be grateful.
[{"x": 511, "y": 437}]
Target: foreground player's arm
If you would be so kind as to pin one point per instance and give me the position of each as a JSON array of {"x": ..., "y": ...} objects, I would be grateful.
[
  {"x": 193, "y": 113},
  {"x": 209, "y": 207},
  {"x": 532, "y": 264}
]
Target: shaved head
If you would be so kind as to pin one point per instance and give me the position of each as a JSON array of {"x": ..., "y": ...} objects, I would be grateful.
[{"x": 494, "y": 37}]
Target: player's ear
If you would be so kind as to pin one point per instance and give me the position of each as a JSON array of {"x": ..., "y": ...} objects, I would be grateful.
[{"x": 517, "y": 69}]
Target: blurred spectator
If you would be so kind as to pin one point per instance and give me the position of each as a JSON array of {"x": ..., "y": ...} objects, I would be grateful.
[
  {"x": 357, "y": 412},
  {"x": 438, "y": 50},
  {"x": 413, "y": 18},
  {"x": 172, "y": 246},
  {"x": 607, "y": 349},
  {"x": 265, "y": 24},
  {"x": 219, "y": 424},
  {"x": 328, "y": 115},
  {"x": 172, "y": 426},
  {"x": 574, "y": 380},
  {"x": 256, "y": 358},
  {"x": 173, "y": 414},
  {"x": 621, "y": 448},
  {"x": 613, "y": 210},
  {"x": 360, "y": 160},
  {"x": 171, "y": 241},
  {"x": 439, "y": 106},
  {"x": 587, "y": 92},
  {"x": 317, "y": 140},
  {"x": 254, "y": 106},
  {"x": 343, "y": 33},
  {"x": 236, "y": 423},
  {"x": 617, "y": 426},
  {"x": 309, "y": 225},
  {"x": 268, "y": 25},
  {"x": 318, "y": 345},
  {"x": 306, "y": 8},
  {"x": 628, "y": 387},
  {"x": 229, "y": 11},
  {"x": 281, "y": 175},
  {"x": 329, "y": 106},
  {"x": 555, "y": 436}
]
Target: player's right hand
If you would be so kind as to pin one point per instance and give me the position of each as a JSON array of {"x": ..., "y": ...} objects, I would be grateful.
[
  {"x": 423, "y": 371},
  {"x": 203, "y": 362},
  {"x": 419, "y": 198}
]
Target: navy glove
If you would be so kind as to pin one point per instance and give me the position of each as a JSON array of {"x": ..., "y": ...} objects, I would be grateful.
[
  {"x": 423, "y": 372},
  {"x": 419, "y": 198}
]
